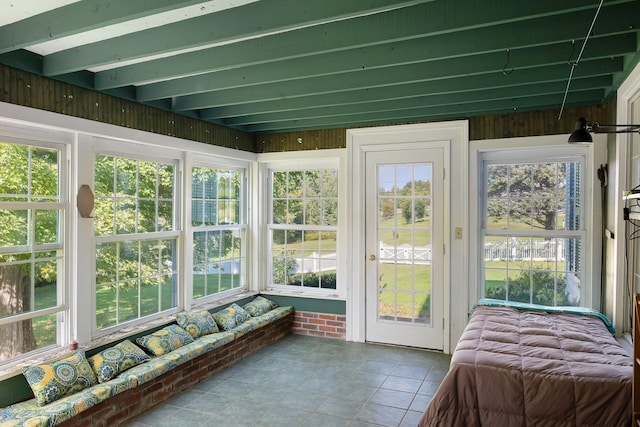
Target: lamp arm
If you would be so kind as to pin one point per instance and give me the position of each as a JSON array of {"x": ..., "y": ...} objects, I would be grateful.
[{"x": 600, "y": 128}]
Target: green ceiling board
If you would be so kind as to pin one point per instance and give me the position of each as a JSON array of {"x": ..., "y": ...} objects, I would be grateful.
[
  {"x": 402, "y": 24},
  {"x": 23, "y": 60},
  {"x": 425, "y": 113},
  {"x": 364, "y": 79},
  {"x": 496, "y": 79},
  {"x": 259, "y": 18},
  {"x": 536, "y": 89},
  {"x": 371, "y": 57},
  {"x": 78, "y": 17}
]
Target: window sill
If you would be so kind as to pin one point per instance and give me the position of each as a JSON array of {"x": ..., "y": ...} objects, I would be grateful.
[
  {"x": 16, "y": 368},
  {"x": 334, "y": 296}
]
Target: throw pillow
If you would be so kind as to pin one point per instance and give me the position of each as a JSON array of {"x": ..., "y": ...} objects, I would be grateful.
[
  {"x": 259, "y": 306},
  {"x": 52, "y": 381},
  {"x": 197, "y": 323},
  {"x": 111, "y": 361},
  {"x": 231, "y": 317},
  {"x": 165, "y": 340}
]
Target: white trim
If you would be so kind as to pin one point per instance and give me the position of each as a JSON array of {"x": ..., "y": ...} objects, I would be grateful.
[
  {"x": 595, "y": 154},
  {"x": 80, "y": 136},
  {"x": 616, "y": 279},
  {"x": 30, "y": 118},
  {"x": 295, "y": 160},
  {"x": 454, "y": 137}
]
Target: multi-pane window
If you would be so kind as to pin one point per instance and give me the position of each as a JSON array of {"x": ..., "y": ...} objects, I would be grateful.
[
  {"x": 532, "y": 231},
  {"x": 219, "y": 227},
  {"x": 136, "y": 239},
  {"x": 303, "y": 227},
  {"x": 33, "y": 204}
]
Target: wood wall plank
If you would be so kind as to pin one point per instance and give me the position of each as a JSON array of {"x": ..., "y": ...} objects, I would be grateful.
[
  {"x": 30, "y": 90},
  {"x": 512, "y": 125}
]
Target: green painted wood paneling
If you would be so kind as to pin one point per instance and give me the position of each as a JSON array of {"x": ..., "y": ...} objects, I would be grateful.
[{"x": 315, "y": 305}]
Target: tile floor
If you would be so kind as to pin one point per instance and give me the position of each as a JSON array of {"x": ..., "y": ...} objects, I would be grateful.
[{"x": 308, "y": 381}]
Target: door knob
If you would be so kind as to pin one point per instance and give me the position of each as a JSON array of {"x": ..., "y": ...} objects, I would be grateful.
[{"x": 372, "y": 257}]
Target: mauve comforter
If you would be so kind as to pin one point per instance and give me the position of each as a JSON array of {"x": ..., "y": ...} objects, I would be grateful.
[{"x": 526, "y": 368}]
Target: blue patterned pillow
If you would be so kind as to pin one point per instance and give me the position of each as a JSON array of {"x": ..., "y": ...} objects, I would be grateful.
[
  {"x": 197, "y": 323},
  {"x": 259, "y": 306},
  {"x": 52, "y": 381},
  {"x": 110, "y": 362},
  {"x": 165, "y": 340},
  {"x": 231, "y": 317}
]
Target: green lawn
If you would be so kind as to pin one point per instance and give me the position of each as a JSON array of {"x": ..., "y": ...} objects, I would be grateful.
[{"x": 402, "y": 280}]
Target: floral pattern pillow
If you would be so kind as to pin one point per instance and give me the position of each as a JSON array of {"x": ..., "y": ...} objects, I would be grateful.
[
  {"x": 165, "y": 340},
  {"x": 259, "y": 306},
  {"x": 52, "y": 381},
  {"x": 231, "y": 317},
  {"x": 197, "y": 323},
  {"x": 111, "y": 361}
]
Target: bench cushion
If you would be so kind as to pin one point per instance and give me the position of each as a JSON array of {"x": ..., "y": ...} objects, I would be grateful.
[
  {"x": 51, "y": 381},
  {"x": 165, "y": 340},
  {"x": 197, "y": 323},
  {"x": 113, "y": 360}
]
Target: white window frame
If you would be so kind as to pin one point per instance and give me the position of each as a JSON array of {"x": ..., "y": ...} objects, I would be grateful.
[
  {"x": 62, "y": 141},
  {"x": 104, "y": 146},
  {"x": 293, "y": 161},
  {"x": 535, "y": 149},
  {"x": 213, "y": 162}
]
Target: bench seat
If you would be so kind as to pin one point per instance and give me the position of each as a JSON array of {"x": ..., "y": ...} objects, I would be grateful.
[{"x": 29, "y": 414}]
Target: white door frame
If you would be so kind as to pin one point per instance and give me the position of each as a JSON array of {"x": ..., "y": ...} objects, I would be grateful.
[{"x": 454, "y": 135}]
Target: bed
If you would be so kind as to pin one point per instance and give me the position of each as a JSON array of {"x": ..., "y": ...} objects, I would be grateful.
[{"x": 527, "y": 365}]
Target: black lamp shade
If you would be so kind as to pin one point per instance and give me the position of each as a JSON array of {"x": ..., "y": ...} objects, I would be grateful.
[{"x": 580, "y": 135}]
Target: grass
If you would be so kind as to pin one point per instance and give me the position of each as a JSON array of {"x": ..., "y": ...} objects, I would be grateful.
[{"x": 402, "y": 280}]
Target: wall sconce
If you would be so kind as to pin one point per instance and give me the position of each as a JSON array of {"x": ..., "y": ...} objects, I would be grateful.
[{"x": 582, "y": 134}]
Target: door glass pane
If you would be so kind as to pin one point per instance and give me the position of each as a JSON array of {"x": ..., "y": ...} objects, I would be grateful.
[{"x": 404, "y": 233}]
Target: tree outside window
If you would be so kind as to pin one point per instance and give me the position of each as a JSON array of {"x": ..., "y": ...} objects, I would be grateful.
[
  {"x": 532, "y": 232},
  {"x": 136, "y": 239},
  {"x": 303, "y": 228},
  {"x": 31, "y": 248},
  {"x": 219, "y": 225}
]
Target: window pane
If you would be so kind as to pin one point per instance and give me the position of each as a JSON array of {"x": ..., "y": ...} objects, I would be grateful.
[
  {"x": 30, "y": 272},
  {"x": 304, "y": 257},
  {"x": 131, "y": 275},
  {"x": 44, "y": 173},
  {"x": 541, "y": 268},
  {"x": 32, "y": 334},
  {"x": 15, "y": 182},
  {"x": 15, "y": 227},
  {"x": 218, "y": 252},
  {"x": 29, "y": 275}
]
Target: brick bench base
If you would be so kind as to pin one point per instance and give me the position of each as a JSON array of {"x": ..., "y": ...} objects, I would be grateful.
[{"x": 131, "y": 403}]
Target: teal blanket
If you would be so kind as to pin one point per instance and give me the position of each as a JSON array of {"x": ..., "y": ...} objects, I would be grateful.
[{"x": 489, "y": 302}]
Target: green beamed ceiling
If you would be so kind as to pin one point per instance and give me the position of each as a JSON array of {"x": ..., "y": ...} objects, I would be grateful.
[{"x": 283, "y": 65}]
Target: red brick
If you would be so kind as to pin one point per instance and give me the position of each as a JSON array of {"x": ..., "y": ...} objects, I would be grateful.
[
  {"x": 317, "y": 321},
  {"x": 310, "y": 327},
  {"x": 327, "y": 316},
  {"x": 335, "y": 323},
  {"x": 309, "y": 314}
]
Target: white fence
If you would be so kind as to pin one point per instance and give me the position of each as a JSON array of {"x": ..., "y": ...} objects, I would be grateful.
[
  {"x": 550, "y": 250},
  {"x": 404, "y": 254}
]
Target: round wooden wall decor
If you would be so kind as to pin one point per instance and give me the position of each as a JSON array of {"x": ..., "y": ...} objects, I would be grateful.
[{"x": 85, "y": 201}]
